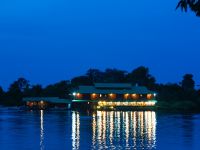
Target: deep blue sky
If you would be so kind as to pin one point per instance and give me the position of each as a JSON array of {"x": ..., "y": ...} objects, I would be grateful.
[{"x": 50, "y": 40}]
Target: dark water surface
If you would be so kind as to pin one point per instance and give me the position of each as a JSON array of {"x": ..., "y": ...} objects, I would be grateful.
[{"x": 54, "y": 130}]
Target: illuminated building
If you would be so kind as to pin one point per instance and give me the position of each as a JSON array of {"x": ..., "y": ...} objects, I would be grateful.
[
  {"x": 46, "y": 102},
  {"x": 113, "y": 96}
]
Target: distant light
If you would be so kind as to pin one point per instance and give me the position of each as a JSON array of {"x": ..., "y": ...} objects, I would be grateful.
[
  {"x": 126, "y": 96},
  {"x": 74, "y": 94},
  {"x": 149, "y": 96},
  {"x": 94, "y": 96},
  {"x": 113, "y": 104},
  {"x": 98, "y": 107},
  {"x": 154, "y": 94}
]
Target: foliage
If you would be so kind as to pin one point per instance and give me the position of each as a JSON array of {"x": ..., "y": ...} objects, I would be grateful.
[
  {"x": 171, "y": 96},
  {"x": 95, "y": 75},
  {"x": 60, "y": 89},
  {"x": 1, "y": 95},
  {"x": 81, "y": 80},
  {"x": 35, "y": 91},
  {"x": 141, "y": 76},
  {"x": 114, "y": 75},
  {"x": 188, "y": 82},
  {"x": 194, "y": 5},
  {"x": 170, "y": 93},
  {"x": 179, "y": 97},
  {"x": 16, "y": 92}
]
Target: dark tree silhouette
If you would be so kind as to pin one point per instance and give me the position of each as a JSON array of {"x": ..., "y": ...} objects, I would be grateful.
[
  {"x": 188, "y": 86},
  {"x": 21, "y": 84},
  {"x": 60, "y": 89},
  {"x": 188, "y": 82},
  {"x": 114, "y": 75},
  {"x": 81, "y": 80},
  {"x": 95, "y": 75},
  {"x": 16, "y": 91},
  {"x": 109, "y": 75},
  {"x": 1, "y": 95},
  {"x": 173, "y": 96},
  {"x": 141, "y": 77},
  {"x": 170, "y": 93},
  {"x": 34, "y": 91},
  {"x": 194, "y": 5},
  {"x": 1, "y": 91},
  {"x": 37, "y": 90}
]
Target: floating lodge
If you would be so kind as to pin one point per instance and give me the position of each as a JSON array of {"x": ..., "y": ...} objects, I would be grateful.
[
  {"x": 46, "y": 102},
  {"x": 100, "y": 96}
]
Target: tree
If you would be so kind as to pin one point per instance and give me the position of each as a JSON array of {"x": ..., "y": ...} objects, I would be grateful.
[
  {"x": 109, "y": 75},
  {"x": 1, "y": 91},
  {"x": 141, "y": 77},
  {"x": 16, "y": 91},
  {"x": 188, "y": 85},
  {"x": 81, "y": 80},
  {"x": 194, "y": 5},
  {"x": 114, "y": 75},
  {"x": 21, "y": 84},
  {"x": 188, "y": 82},
  {"x": 34, "y": 91},
  {"x": 170, "y": 93},
  {"x": 1, "y": 95},
  {"x": 37, "y": 90},
  {"x": 60, "y": 89},
  {"x": 95, "y": 75}
]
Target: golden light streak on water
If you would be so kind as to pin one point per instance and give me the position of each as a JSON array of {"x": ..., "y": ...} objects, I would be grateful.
[
  {"x": 136, "y": 129},
  {"x": 94, "y": 124},
  {"x": 75, "y": 130},
  {"x": 41, "y": 129},
  {"x": 111, "y": 122}
]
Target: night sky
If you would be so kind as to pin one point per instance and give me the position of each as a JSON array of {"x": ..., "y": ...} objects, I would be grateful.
[{"x": 47, "y": 41}]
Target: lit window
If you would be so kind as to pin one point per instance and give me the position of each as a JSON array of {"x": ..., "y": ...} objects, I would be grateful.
[
  {"x": 78, "y": 96},
  {"x": 126, "y": 96},
  {"x": 149, "y": 96},
  {"x": 112, "y": 96},
  {"x": 134, "y": 96},
  {"x": 93, "y": 96}
]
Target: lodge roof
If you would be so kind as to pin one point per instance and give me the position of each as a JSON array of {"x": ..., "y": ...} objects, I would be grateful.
[
  {"x": 117, "y": 88},
  {"x": 112, "y": 85},
  {"x": 47, "y": 99}
]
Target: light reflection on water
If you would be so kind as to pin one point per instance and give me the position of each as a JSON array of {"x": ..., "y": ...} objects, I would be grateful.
[
  {"x": 98, "y": 130},
  {"x": 75, "y": 130},
  {"x": 118, "y": 130},
  {"x": 41, "y": 129}
]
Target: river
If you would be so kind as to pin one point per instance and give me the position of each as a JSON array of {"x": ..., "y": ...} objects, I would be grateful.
[{"x": 65, "y": 130}]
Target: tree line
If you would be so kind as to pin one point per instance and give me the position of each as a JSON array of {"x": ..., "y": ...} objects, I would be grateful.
[{"x": 175, "y": 96}]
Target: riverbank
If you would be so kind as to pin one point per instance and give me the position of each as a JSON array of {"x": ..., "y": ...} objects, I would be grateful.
[{"x": 164, "y": 109}]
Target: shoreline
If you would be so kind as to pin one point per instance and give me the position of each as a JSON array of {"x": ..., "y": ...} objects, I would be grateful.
[{"x": 22, "y": 108}]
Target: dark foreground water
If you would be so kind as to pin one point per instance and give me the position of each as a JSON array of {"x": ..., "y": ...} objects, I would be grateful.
[{"x": 39, "y": 130}]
